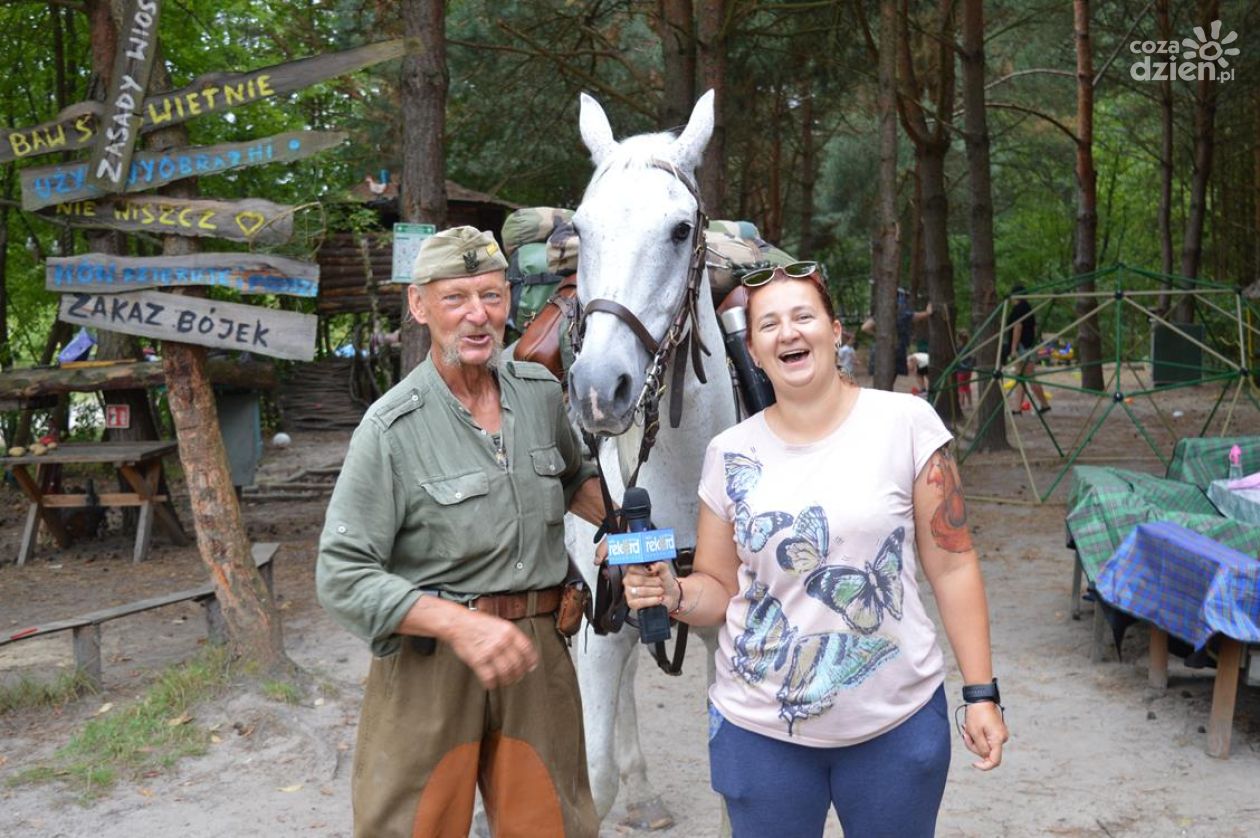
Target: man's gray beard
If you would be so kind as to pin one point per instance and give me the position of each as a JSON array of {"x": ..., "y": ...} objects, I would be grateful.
[{"x": 450, "y": 355}]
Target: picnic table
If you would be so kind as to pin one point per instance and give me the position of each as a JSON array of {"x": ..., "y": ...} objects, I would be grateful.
[
  {"x": 1191, "y": 587},
  {"x": 1105, "y": 504},
  {"x": 139, "y": 464},
  {"x": 1202, "y": 459}
]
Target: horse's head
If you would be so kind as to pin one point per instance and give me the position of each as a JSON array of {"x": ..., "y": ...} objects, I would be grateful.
[{"x": 637, "y": 225}]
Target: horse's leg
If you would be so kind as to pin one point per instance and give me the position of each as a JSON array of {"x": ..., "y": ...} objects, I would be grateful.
[
  {"x": 710, "y": 638},
  {"x": 644, "y": 807},
  {"x": 599, "y": 661}
]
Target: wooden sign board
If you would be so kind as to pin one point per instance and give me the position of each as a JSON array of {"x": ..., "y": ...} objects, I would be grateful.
[
  {"x": 212, "y": 323},
  {"x": 43, "y": 186},
  {"x": 76, "y": 126},
  {"x": 251, "y": 220},
  {"x": 249, "y": 273},
  {"x": 111, "y": 159}
]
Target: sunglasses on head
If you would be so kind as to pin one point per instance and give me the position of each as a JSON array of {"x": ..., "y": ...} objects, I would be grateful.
[{"x": 796, "y": 270}]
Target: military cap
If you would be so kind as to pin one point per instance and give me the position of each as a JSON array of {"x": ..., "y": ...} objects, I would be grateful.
[{"x": 459, "y": 251}]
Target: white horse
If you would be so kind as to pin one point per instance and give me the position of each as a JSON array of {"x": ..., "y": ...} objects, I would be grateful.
[{"x": 637, "y": 226}]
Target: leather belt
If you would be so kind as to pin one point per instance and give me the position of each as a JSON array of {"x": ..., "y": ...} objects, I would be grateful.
[{"x": 520, "y": 605}]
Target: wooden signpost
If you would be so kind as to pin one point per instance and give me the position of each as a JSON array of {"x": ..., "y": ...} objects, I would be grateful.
[
  {"x": 249, "y": 273},
  {"x": 76, "y": 126},
  {"x": 249, "y": 220},
  {"x": 111, "y": 159},
  {"x": 43, "y": 186},
  {"x": 212, "y": 323}
]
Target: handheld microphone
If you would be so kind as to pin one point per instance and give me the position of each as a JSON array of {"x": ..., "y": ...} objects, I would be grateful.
[{"x": 636, "y": 507}]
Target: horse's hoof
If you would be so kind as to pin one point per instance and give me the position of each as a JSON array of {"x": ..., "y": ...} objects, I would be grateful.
[{"x": 649, "y": 814}]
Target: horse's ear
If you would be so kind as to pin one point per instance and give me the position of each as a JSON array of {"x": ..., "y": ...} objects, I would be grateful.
[
  {"x": 596, "y": 132},
  {"x": 689, "y": 147}
]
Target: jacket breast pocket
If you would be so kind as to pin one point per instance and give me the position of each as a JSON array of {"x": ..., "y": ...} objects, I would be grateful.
[
  {"x": 549, "y": 465},
  {"x": 460, "y": 514}
]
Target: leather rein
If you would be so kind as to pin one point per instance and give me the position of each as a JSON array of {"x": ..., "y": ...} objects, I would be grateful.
[{"x": 609, "y": 610}]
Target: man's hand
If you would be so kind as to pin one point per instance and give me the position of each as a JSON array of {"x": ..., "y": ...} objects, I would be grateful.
[{"x": 496, "y": 650}]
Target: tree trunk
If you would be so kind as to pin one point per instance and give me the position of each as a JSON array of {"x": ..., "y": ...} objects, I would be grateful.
[
  {"x": 1201, "y": 175},
  {"x": 931, "y": 143},
  {"x": 1088, "y": 342},
  {"x": 983, "y": 260},
  {"x": 809, "y": 172},
  {"x": 711, "y": 30},
  {"x": 112, "y": 345},
  {"x": 254, "y": 629},
  {"x": 888, "y": 259},
  {"x": 6, "y": 351},
  {"x": 1165, "y": 156},
  {"x": 938, "y": 272},
  {"x": 677, "y": 31},
  {"x": 424, "y": 84}
]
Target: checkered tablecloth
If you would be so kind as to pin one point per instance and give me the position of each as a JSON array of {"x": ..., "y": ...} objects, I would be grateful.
[
  {"x": 1105, "y": 504},
  {"x": 1200, "y": 460},
  {"x": 1187, "y": 584},
  {"x": 1239, "y": 504}
]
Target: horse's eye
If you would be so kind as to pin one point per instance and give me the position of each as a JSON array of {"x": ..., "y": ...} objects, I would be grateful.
[{"x": 681, "y": 232}]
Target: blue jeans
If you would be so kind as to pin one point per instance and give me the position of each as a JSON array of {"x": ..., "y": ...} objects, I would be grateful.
[{"x": 888, "y": 786}]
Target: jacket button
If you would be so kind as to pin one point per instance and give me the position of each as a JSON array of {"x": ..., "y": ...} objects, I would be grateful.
[
  {"x": 520, "y": 565},
  {"x": 459, "y": 495}
]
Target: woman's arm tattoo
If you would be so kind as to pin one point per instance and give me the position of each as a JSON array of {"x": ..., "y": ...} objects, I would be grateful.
[{"x": 949, "y": 521}]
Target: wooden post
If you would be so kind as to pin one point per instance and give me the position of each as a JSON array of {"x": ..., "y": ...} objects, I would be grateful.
[
  {"x": 1224, "y": 694},
  {"x": 1100, "y": 625},
  {"x": 87, "y": 652},
  {"x": 249, "y": 614},
  {"x": 1158, "y": 667}
]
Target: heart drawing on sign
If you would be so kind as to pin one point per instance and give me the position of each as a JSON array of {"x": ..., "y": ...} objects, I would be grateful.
[{"x": 250, "y": 222}]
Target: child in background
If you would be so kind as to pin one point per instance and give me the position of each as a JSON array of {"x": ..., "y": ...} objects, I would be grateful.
[
  {"x": 845, "y": 354},
  {"x": 962, "y": 373}
]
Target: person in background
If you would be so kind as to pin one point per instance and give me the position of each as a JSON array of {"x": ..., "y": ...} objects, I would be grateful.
[
  {"x": 443, "y": 547},
  {"x": 906, "y": 318},
  {"x": 1021, "y": 340},
  {"x": 846, "y": 353},
  {"x": 830, "y": 681}
]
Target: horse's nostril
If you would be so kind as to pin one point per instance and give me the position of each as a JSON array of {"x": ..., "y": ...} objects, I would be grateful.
[{"x": 622, "y": 394}]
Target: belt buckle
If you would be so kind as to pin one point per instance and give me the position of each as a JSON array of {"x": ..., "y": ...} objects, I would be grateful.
[{"x": 472, "y": 604}]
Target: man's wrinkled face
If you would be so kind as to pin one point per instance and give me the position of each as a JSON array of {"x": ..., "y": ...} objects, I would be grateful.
[{"x": 466, "y": 317}]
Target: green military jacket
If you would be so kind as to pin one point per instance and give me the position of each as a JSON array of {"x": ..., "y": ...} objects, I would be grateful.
[{"x": 425, "y": 502}]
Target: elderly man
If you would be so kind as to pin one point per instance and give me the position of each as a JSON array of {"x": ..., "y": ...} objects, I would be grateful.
[{"x": 444, "y": 547}]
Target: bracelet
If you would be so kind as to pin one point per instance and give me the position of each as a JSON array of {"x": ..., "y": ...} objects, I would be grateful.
[
  {"x": 673, "y": 612},
  {"x": 975, "y": 693}
]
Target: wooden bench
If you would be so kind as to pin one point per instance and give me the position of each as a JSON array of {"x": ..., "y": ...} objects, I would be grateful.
[{"x": 87, "y": 628}]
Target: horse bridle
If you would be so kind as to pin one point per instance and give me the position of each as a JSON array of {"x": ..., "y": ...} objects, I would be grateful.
[{"x": 609, "y": 610}]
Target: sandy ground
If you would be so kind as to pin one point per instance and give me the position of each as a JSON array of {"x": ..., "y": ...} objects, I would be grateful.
[{"x": 1094, "y": 750}]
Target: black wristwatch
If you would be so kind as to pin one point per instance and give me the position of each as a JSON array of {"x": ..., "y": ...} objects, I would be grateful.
[{"x": 976, "y": 693}]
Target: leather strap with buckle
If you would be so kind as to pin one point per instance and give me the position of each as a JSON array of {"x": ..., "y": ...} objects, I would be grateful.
[{"x": 518, "y": 606}]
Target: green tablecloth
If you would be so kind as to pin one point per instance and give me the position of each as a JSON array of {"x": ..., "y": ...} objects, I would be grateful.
[
  {"x": 1241, "y": 505},
  {"x": 1202, "y": 459},
  {"x": 1105, "y": 504}
]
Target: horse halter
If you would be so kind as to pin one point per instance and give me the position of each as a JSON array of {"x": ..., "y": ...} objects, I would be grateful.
[{"x": 677, "y": 337}]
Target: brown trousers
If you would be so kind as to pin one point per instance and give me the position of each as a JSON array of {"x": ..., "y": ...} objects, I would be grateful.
[{"x": 430, "y": 734}]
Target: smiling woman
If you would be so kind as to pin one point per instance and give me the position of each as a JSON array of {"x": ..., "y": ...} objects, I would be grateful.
[{"x": 816, "y": 515}]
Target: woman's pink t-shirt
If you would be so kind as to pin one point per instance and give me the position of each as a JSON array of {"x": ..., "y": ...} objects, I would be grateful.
[{"x": 827, "y": 642}]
